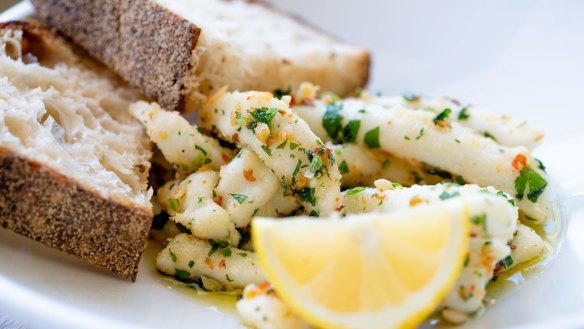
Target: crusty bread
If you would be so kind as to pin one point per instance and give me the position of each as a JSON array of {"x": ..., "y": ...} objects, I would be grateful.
[
  {"x": 73, "y": 163},
  {"x": 178, "y": 52}
]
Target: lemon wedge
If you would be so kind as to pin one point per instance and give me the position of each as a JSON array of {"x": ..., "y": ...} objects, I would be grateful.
[{"x": 374, "y": 270}]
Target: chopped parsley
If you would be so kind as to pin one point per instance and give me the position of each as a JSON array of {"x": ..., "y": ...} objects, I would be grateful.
[
  {"x": 182, "y": 274},
  {"x": 267, "y": 150},
  {"x": 440, "y": 119},
  {"x": 355, "y": 190},
  {"x": 371, "y": 138},
  {"x": 239, "y": 197},
  {"x": 351, "y": 130},
  {"x": 307, "y": 194},
  {"x": 540, "y": 165},
  {"x": 420, "y": 134},
  {"x": 488, "y": 135},
  {"x": 191, "y": 263},
  {"x": 278, "y": 93},
  {"x": 528, "y": 178},
  {"x": 282, "y": 145},
  {"x": 316, "y": 165},
  {"x": 174, "y": 204},
  {"x": 216, "y": 246},
  {"x": 228, "y": 278},
  {"x": 264, "y": 114},
  {"x": 201, "y": 149},
  {"x": 480, "y": 220},
  {"x": 463, "y": 114},
  {"x": 510, "y": 200},
  {"x": 445, "y": 195},
  {"x": 506, "y": 262},
  {"x": 459, "y": 180},
  {"x": 332, "y": 121},
  {"x": 344, "y": 167},
  {"x": 385, "y": 164},
  {"x": 296, "y": 170},
  {"x": 293, "y": 146},
  {"x": 172, "y": 255}
]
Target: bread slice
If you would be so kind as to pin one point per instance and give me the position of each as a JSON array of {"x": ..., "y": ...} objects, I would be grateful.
[
  {"x": 178, "y": 52},
  {"x": 73, "y": 163}
]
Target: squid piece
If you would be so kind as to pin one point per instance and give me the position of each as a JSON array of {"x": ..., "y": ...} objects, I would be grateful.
[
  {"x": 494, "y": 221},
  {"x": 527, "y": 245},
  {"x": 283, "y": 141},
  {"x": 261, "y": 308},
  {"x": 503, "y": 128},
  {"x": 437, "y": 141},
  {"x": 190, "y": 202},
  {"x": 180, "y": 142},
  {"x": 246, "y": 185},
  {"x": 360, "y": 166},
  {"x": 219, "y": 266}
]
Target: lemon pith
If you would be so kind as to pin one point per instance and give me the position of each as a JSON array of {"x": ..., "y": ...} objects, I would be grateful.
[{"x": 373, "y": 271}]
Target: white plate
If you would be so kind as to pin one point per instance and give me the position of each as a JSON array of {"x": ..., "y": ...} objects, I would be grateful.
[{"x": 522, "y": 58}]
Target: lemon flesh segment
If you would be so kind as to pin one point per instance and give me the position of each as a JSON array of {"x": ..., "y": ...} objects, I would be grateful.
[{"x": 375, "y": 270}]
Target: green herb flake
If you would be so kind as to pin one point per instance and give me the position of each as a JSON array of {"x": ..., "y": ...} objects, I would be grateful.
[
  {"x": 441, "y": 118},
  {"x": 507, "y": 262},
  {"x": 344, "y": 167},
  {"x": 332, "y": 121},
  {"x": 174, "y": 204},
  {"x": 296, "y": 170},
  {"x": 510, "y": 200},
  {"x": 267, "y": 150},
  {"x": 239, "y": 118},
  {"x": 420, "y": 134},
  {"x": 226, "y": 252},
  {"x": 385, "y": 164},
  {"x": 281, "y": 146},
  {"x": 355, "y": 190},
  {"x": 201, "y": 149},
  {"x": 228, "y": 278},
  {"x": 445, "y": 195},
  {"x": 459, "y": 180},
  {"x": 239, "y": 197},
  {"x": 488, "y": 135},
  {"x": 463, "y": 114},
  {"x": 264, "y": 114},
  {"x": 172, "y": 255},
  {"x": 351, "y": 130},
  {"x": 242, "y": 254},
  {"x": 316, "y": 164},
  {"x": 307, "y": 194},
  {"x": 216, "y": 246},
  {"x": 278, "y": 93},
  {"x": 293, "y": 146},
  {"x": 255, "y": 211},
  {"x": 480, "y": 220},
  {"x": 540, "y": 165},
  {"x": 371, "y": 138},
  {"x": 191, "y": 263},
  {"x": 529, "y": 178},
  {"x": 182, "y": 274}
]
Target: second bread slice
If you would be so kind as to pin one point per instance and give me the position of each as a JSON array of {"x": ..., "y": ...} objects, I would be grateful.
[{"x": 178, "y": 52}]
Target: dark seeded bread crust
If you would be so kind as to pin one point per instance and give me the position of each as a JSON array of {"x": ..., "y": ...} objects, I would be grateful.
[
  {"x": 42, "y": 204},
  {"x": 147, "y": 45}
]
